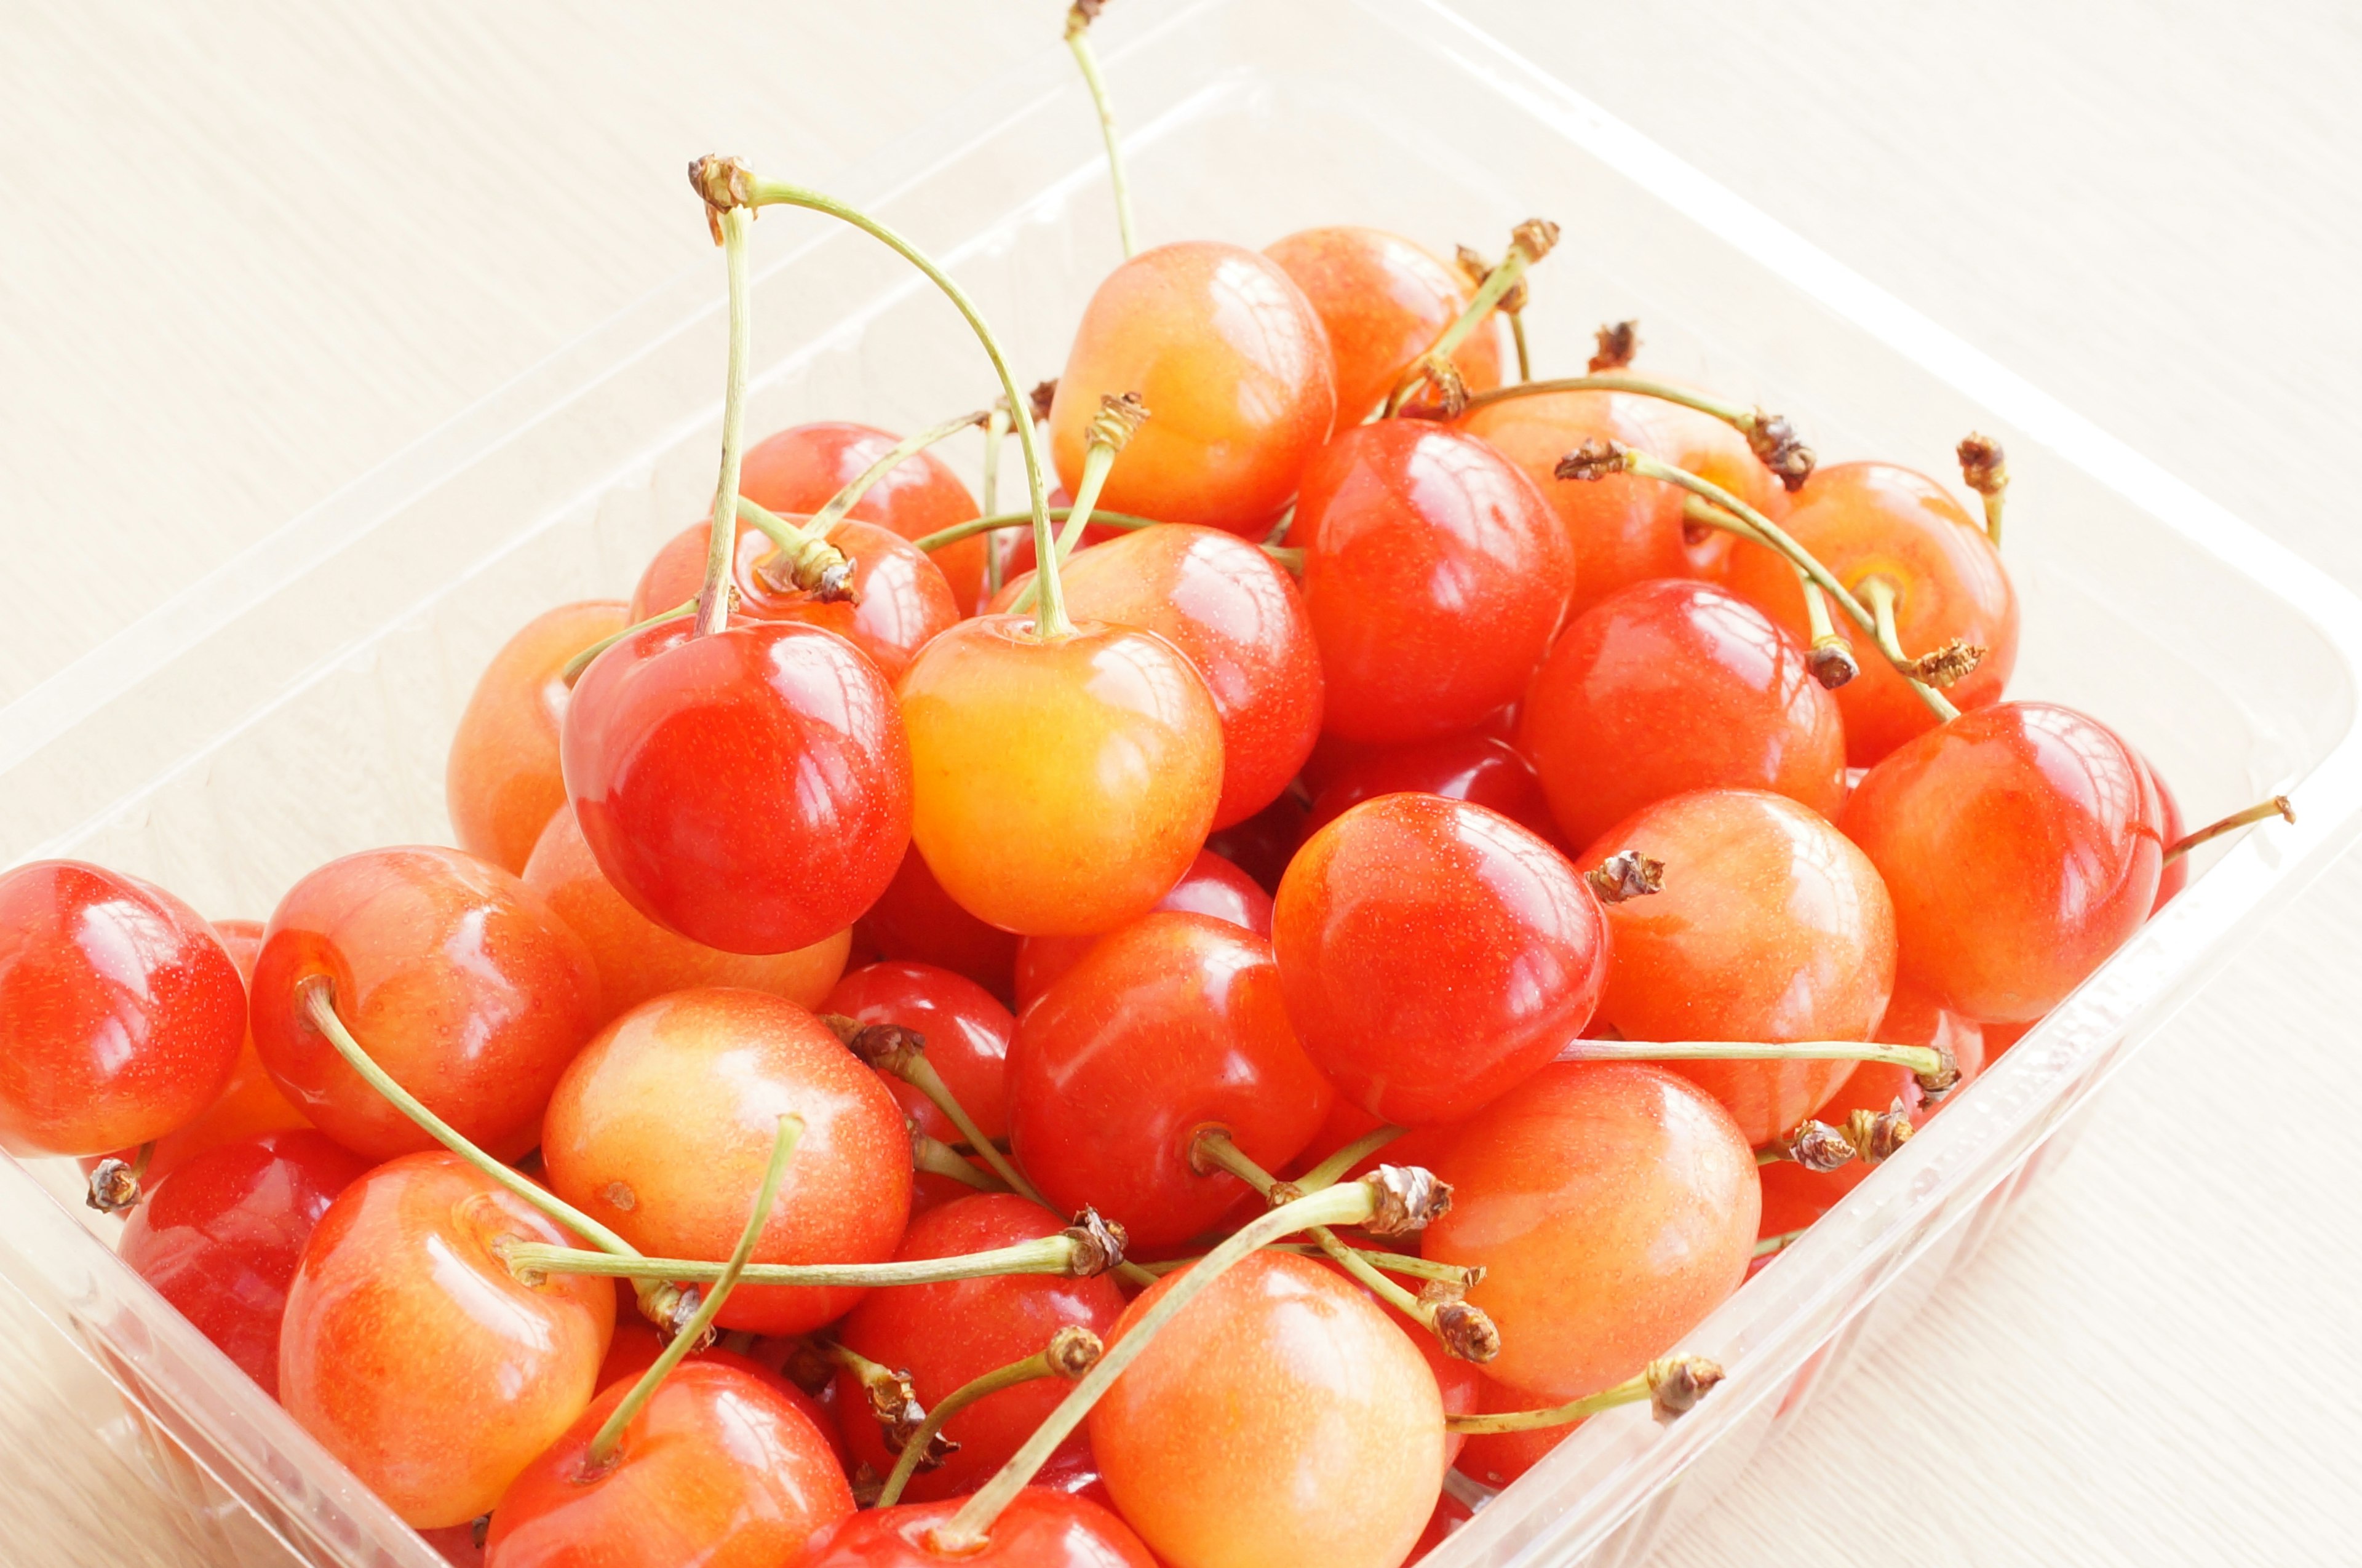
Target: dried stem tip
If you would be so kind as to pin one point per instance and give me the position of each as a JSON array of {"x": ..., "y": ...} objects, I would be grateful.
[
  {"x": 1475, "y": 269},
  {"x": 114, "y": 1186},
  {"x": 1535, "y": 236},
  {"x": 1595, "y": 460},
  {"x": 1072, "y": 1351},
  {"x": 887, "y": 1047},
  {"x": 720, "y": 184},
  {"x": 1618, "y": 342},
  {"x": 1935, "y": 1086},
  {"x": 1441, "y": 373},
  {"x": 1627, "y": 874},
  {"x": 1082, "y": 14},
  {"x": 811, "y": 565},
  {"x": 1117, "y": 417},
  {"x": 895, "y": 1405},
  {"x": 1948, "y": 664},
  {"x": 1098, "y": 1244},
  {"x": 1041, "y": 397},
  {"x": 1818, "y": 1146},
  {"x": 1405, "y": 1199},
  {"x": 1467, "y": 1334},
  {"x": 1879, "y": 1134},
  {"x": 1678, "y": 1382},
  {"x": 1982, "y": 465},
  {"x": 1775, "y": 445},
  {"x": 1832, "y": 662}
]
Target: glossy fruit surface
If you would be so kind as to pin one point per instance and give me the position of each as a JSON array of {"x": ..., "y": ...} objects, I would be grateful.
[
  {"x": 800, "y": 469},
  {"x": 1263, "y": 844},
  {"x": 1061, "y": 787},
  {"x": 1612, "y": 1206},
  {"x": 1700, "y": 444},
  {"x": 1668, "y": 686},
  {"x": 1211, "y": 886},
  {"x": 502, "y": 781},
  {"x": 1039, "y": 1529},
  {"x": 1395, "y": 928},
  {"x": 455, "y": 977},
  {"x": 1280, "y": 1390},
  {"x": 1473, "y": 766},
  {"x": 413, "y": 1354},
  {"x": 1234, "y": 367},
  {"x": 663, "y": 1125},
  {"x": 2023, "y": 844},
  {"x": 1771, "y": 926},
  {"x": 967, "y": 1031},
  {"x": 120, "y": 1011},
  {"x": 1171, "y": 1024},
  {"x": 1434, "y": 574},
  {"x": 1382, "y": 302},
  {"x": 749, "y": 789}
]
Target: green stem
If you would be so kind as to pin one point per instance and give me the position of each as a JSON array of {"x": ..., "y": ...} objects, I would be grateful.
[
  {"x": 2277, "y": 806},
  {"x": 920, "y": 1074},
  {"x": 1071, "y": 1351},
  {"x": 1409, "y": 1264},
  {"x": 846, "y": 500},
  {"x": 721, "y": 540},
  {"x": 995, "y": 520},
  {"x": 1739, "y": 416},
  {"x": 935, "y": 1157},
  {"x": 1098, "y": 457},
  {"x": 571, "y": 671},
  {"x": 1079, "y": 40},
  {"x": 1060, "y": 1254},
  {"x": 1881, "y": 602},
  {"x": 1918, "y": 1059},
  {"x": 1765, "y": 1247},
  {"x": 1518, "y": 336},
  {"x": 1330, "y": 1171},
  {"x": 996, "y": 434},
  {"x": 1530, "y": 243},
  {"x": 1673, "y": 1384}
]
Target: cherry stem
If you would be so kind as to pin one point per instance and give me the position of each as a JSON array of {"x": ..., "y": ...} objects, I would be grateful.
[
  {"x": 1673, "y": 1384},
  {"x": 1770, "y": 1244},
  {"x": 891, "y": 1048},
  {"x": 1529, "y": 243},
  {"x": 1985, "y": 470},
  {"x": 936, "y": 1158},
  {"x": 1829, "y": 655},
  {"x": 571, "y": 671},
  {"x": 1390, "y": 1201},
  {"x": 814, "y": 565},
  {"x": 114, "y": 1183},
  {"x": 1072, "y": 1352},
  {"x": 1881, "y": 604},
  {"x": 713, "y": 599},
  {"x": 1925, "y": 1060},
  {"x": 1078, "y": 40},
  {"x": 846, "y": 500},
  {"x": 1408, "y": 1265},
  {"x": 1517, "y": 336},
  {"x": 893, "y": 1405},
  {"x": 996, "y": 434},
  {"x": 1769, "y": 435},
  {"x": 1328, "y": 1172},
  {"x": 1110, "y": 431},
  {"x": 2277, "y": 806},
  {"x": 602, "y": 1451},
  {"x": 988, "y": 524},
  {"x": 1075, "y": 1254},
  {"x": 1869, "y": 1136}
]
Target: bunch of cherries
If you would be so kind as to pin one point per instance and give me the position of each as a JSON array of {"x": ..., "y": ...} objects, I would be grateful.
[{"x": 1478, "y": 863}]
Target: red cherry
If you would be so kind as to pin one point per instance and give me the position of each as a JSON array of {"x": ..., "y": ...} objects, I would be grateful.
[
  {"x": 800, "y": 469},
  {"x": 414, "y": 1355},
  {"x": 1611, "y": 1205},
  {"x": 1263, "y": 844},
  {"x": 2023, "y": 844},
  {"x": 1473, "y": 766},
  {"x": 501, "y": 783},
  {"x": 1434, "y": 574},
  {"x": 1395, "y": 928},
  {"x": 967, "y": 1031},
  {"x": 1211, "y": 886},
  {"x": 121, "y": 1011},
  {"x": 1669, "y": 686},
  {"x": 749, "y": 789},
  {"x": 1381, "y": 301},
  {"x": 915, "y": 919},
  {"x": 1039, "y": 1529},
  {"x": 1168, "y": 1026},
  {"x": 221, "y": 1239},
  {"x": 1698, "y": 443},
  {"x": 717, "y": 1464},
  {"x": 456, "y": 977},
  {"x": 662, "y": 1127}
]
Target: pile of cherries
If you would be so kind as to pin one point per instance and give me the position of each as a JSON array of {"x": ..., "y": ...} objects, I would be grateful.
[{"x": 1391, "y": 758}]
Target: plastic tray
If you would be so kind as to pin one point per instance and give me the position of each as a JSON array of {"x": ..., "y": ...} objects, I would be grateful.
[{"x": 295, "y": 704}]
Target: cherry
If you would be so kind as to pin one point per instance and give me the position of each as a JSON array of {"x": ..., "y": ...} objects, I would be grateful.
[
  {"x": 1877, "y": 523},
  {"x": 1395, "y": 928},
  {"x": 2023, "y": 844},
  {"x": 1471, "y": 766},
  {"x": 221, "y": 1239},
  {"x": 661, "y": 1127},
  {"x": 459, "y": 980},
  {"x": 1499, "y": 1458},
  {"x": 945, "y": 1335},
  {"x": 121, "y": 1011},
  {"x": 1771, "y": 926},
  {"x": 1041, "y": 1527},
  {"x": 1211, "y": 886},
  {"x": 1263, "y": 844},
  {"x": 967, "y": 1031},
  {"x": 1611, "y": 1205},
  {"x": 915, "y": 919},
  {"x": 1696, "y": 441},
  {"x": 1061, "y": 784},
  {"x": 1282, "y": 1394},
  {"x": 1168, "y": 1026},
  {"x": 719, "y": 1467},
  {"x": 1382, "y": 302},
  {"x": 501, "y": 783},
  {"x": 636, "y": 958},
  {"x": 417, "y": 1357},
  {"x": 1233, "y": 363},
  {"x": 1668, "y": 686},
  {"x": 749, "y": 789},
  {"x": 1435, "y": 576},
  {"x": 798, "y": 470}
]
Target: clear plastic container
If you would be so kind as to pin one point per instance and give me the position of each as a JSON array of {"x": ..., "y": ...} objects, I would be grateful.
[{"x": 295, "y": 704}]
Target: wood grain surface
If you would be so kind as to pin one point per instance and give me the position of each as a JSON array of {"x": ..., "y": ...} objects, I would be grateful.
[{"x": 247, "y": 249}]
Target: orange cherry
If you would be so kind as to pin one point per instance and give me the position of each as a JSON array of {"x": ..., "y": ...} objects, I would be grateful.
[
  {"x": 1382, "y": 302},
  {"x": 502, "y": 782}
]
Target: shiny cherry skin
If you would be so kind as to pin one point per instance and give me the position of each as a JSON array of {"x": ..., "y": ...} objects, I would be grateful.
[
  {"x": 1263, "y": 844},
  {"x": 1668, "y": 686},
  {"x": 717, "y": 1469},
  {"x": 1211, "y": 886},
  {"x": 1499, "y": 1458},
  {"x": 900, "y": 597},
  {"x": 1611, "y": 1205},
  {"x": 749, "y": 789},
  {"x": 1471, "y": 766},
  {"x": 948, "y": 1335},
  {"x": 1234, "y": 367},
  {"x": 1435, "y": 576},
  {"x": 120, "y": 1011},
  {"x": 414, "y": 1355},
  {"x": 220, "y": 1239},
  {"x": 501, "y": 782},
  {"x": 455, "y": 977},
  {"x": 1382, "y": 302},
  {"x": 637, "y": 959},
  {"x": 1771, "y": 926},
  {"x": 636, "y": 1345},
  {"x": 1168, "y": 1026},
  {"x": 1875, "y": 520},
  {"x": 2023, "y": 844},
  {"x": 1041, "y": 1527},
  {"x": 800, "y": 469},
  {"x": 1062, "y": 787},
  {"x": 1282, "y": 1408},
  {"x": 915, "y": 919},
  {"x": 967, "y": 1032},
  {"x": 1708, "y": 447},
  {"x": 2176, "y": 875},
  {"x": 663, "y": 1125},
  {"x": 1623, "y": 529},
  {"x": 1395, "y": 928}
]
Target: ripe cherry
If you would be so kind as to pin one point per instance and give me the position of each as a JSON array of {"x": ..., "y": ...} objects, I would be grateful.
[
  {"x": 221, "y": 1239},
  {"x": 1211, "y": 886},
  {"x": 417, "y": 1357},
  {"x": 662, "y": 1127},
  {"x": 915, "y": 919},
  {"x": 749, "y": 789},
  {"x": 1263, "y": 844},
  {"x": 1041, "y": 1527},
  {"x": 1395, "y": 929},
  {"x": 1382, "y": 302},
  {"x": 1477, "y": 767},
  {"x": 2022, "y": 845},
  {"x": 967, "y": 1031},
  {"x": 501, "y": 783},
  {"x": 1234, "y": 367},
  {"x": 798, "y": 472},
  {"x": 1611, "y": 1205},
  {"x": 1168, "y": 1026},
  {"x": 1668, "y": 686},
  {"x": 459, "y": 979}
]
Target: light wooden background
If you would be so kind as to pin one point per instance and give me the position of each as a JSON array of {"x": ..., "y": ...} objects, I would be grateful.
[{"x": 248, "y": 249}]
